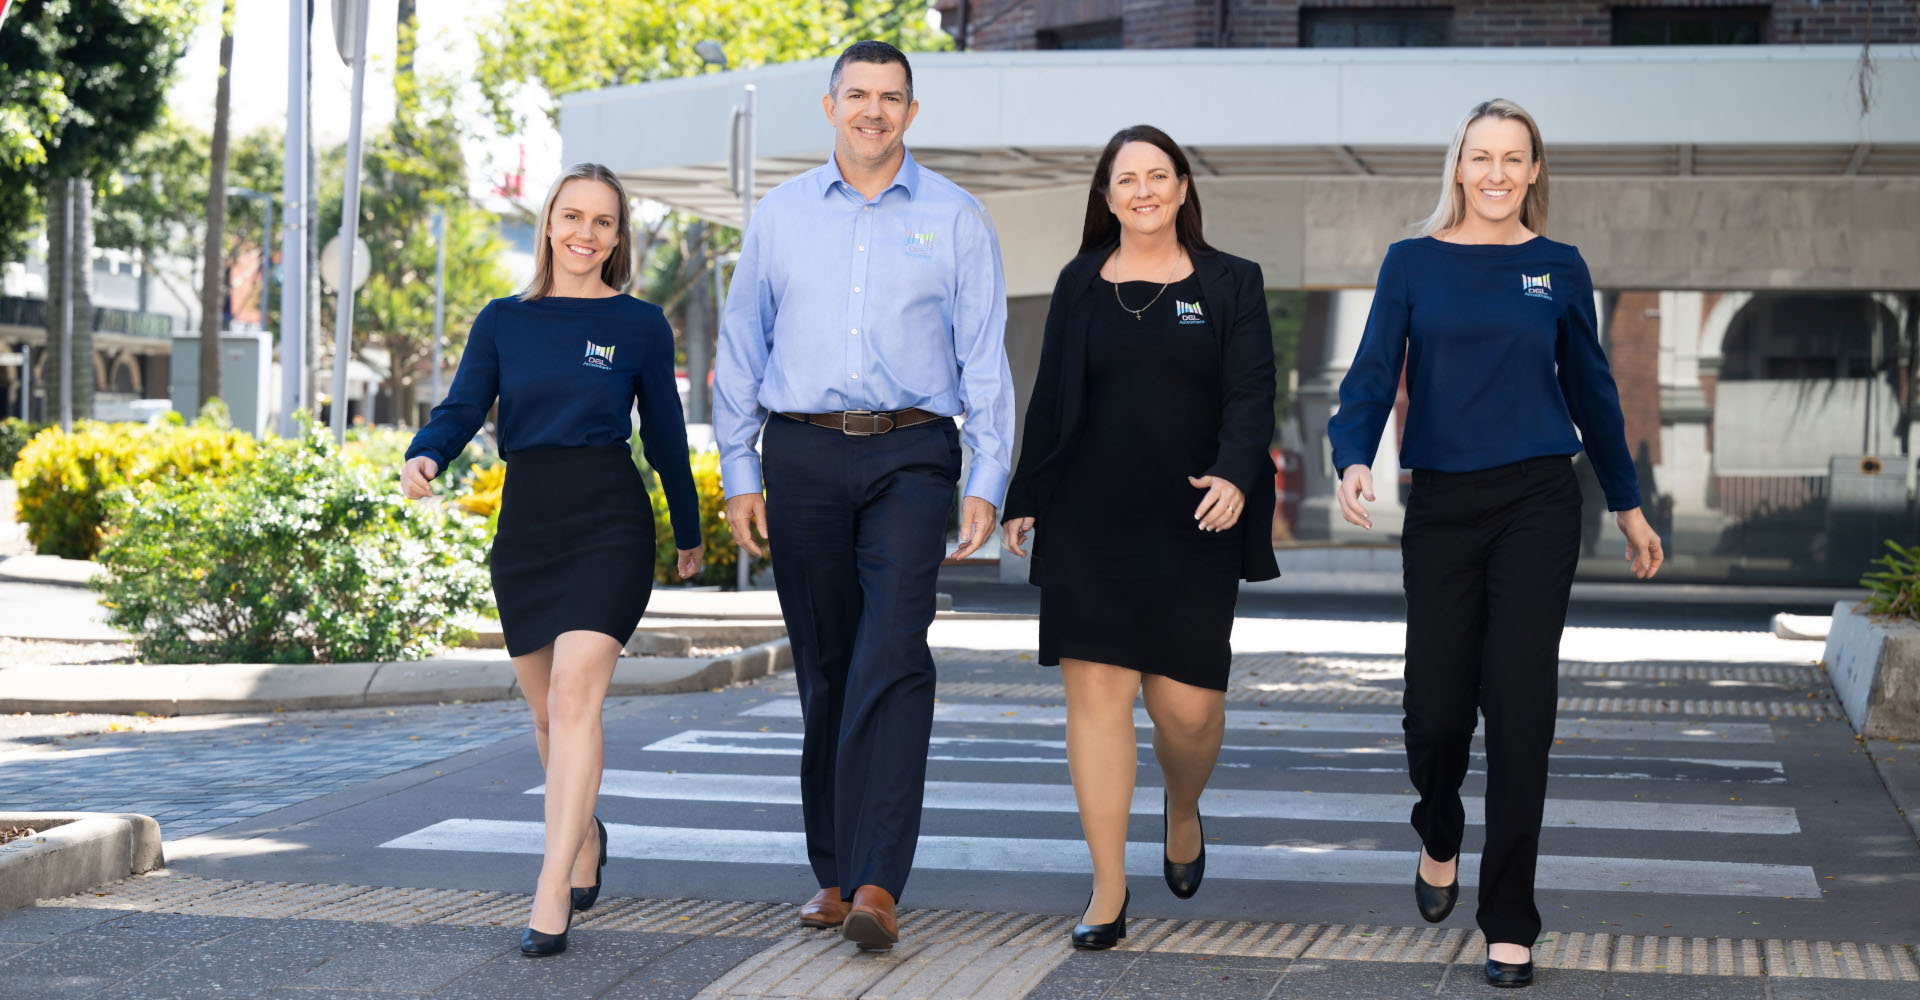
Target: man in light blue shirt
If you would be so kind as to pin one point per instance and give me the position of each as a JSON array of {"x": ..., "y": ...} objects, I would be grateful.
[{"x": 867, "y": 311}]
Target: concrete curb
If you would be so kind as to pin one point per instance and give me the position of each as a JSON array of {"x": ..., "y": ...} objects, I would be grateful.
[
  {"x": 84, "y": 850},
  {"x": 201, "y": 689},
  {"x": 51, "y": 571}
]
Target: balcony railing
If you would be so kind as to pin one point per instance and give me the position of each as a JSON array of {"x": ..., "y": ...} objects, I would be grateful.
[{"x": 17, "y": 311}]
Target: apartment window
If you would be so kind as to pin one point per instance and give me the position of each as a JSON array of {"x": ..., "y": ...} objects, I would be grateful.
[
  {"x": 1092, "y": 35},
  {"x": 1689, "y": 25},
  {"x": 1378, "y": 27}
]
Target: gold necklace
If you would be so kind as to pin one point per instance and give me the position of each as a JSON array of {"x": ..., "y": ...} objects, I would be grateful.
[{"x": 1156, "y": 296}]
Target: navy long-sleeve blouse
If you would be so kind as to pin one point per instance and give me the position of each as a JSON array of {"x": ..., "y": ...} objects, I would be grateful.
[
  {"x": 567, "y": 372},
  {"x": 1503, "y": 362}
]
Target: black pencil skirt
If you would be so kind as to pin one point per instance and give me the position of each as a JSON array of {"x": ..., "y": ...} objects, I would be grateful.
[{"x": 574, "y": 546}]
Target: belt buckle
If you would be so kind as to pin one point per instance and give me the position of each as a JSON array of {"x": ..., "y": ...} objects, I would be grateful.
[{"x": 846, "y": 426}]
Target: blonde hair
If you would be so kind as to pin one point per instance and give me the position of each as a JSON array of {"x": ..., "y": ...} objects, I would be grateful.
[
  {"x": 618, "y": 267},
  {"x": 1452, "y": 209}
]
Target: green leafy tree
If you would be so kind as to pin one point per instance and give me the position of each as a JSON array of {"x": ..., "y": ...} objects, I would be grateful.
[{"x": 112, "y": 60}]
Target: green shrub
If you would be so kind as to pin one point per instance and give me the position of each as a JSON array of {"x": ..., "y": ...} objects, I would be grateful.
[
  {"x": 298, "y": 557},
  {"x": 1896, "y": 589},
  {"x": 14, "y": 435},
  {"x": 722, "y": 556},
  {"x": 64, "y": 478}
]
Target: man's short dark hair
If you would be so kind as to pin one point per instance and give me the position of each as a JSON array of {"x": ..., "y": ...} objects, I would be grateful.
[{"x": 869, "y": 51}]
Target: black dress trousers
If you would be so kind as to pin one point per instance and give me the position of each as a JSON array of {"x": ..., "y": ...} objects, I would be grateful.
[
  {"x": 859, "y": 530},
  {"x": 1488, "y": 558}
]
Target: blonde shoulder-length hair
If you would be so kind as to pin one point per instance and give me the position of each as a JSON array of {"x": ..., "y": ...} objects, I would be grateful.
[
  {"x": 617, "y": 269},
  {"x": 1452, "y": 209}
]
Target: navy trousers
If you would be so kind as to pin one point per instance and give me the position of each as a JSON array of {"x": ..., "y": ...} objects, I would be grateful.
[
  {"x": 1489, "y": 559},
  {"x": 858, "y": 528}
]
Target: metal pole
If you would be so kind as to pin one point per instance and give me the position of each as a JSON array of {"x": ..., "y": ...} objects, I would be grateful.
[
  {"x": 746, "y": 216},
  {"x": 293, "y": 235},
  {"x": 66, "y": 316},
  {"x": 266, "y": 255},
  {"x": 349, "y": 230},
  {"x": 439, "y": 296},
  {"x": 26, "y": 382}
]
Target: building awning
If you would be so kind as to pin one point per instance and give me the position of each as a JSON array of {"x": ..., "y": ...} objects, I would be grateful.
[{"x": 1011, "y": 121}]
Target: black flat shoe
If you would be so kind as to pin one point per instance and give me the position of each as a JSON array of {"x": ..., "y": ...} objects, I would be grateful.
[
  {"x": 1100, "y": 937},
  {"x": 539, "y": 944},
  {"x": 1435, "y": 901},
  {"x": 583, "y": 899},
  {"x": 1182, "y": 877},
  {"x": 1507, "y": 974}
]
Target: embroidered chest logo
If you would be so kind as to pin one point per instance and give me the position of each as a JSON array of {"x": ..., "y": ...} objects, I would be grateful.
[
  {"x": 1189, "y": 312},
  {"x": 1540, "y": 287},
  {"x": 919, "y": 244},
  {"x": 599, "y": 357}
]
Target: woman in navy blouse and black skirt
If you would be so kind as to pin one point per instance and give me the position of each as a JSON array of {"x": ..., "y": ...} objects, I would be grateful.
[
  {"x": 1497, "y": 329},
  {"x": 572, "y": 559}
]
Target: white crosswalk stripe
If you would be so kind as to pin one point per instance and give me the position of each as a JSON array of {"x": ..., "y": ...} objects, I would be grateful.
[{"x": 736, "y": 793}]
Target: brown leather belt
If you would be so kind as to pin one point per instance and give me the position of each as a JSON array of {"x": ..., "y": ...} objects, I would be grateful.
[{"x": 865, "y": 423}]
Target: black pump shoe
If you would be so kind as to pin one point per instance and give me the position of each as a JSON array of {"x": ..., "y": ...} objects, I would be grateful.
[
  {"x": 1435, "y": 901},
  {"x": 1507, "y": 973},
  {"x": 1182, "y": 877},
  {"x": 1100, "y": 937},
  {"x": 539, "y": 944},
  {"x": 583, "y": 899}
]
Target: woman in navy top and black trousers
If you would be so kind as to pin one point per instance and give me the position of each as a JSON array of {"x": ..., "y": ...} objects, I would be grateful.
[
  {"x": 572, "y": 559},
  {"x": 1506, "y": 380}
]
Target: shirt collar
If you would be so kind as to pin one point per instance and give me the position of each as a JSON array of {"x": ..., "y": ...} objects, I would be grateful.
[{"x": 907, "y": 177}]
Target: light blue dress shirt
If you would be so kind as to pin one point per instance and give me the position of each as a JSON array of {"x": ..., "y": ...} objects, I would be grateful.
[{"x": 840, "y": 303}]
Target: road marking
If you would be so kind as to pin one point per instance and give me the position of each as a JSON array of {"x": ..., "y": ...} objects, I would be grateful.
[
  {"x": 1343, "y": 807},
  {"x": 971, "y": 713},
  {"x": 1388, "y": 759},
  {"x": 1270, "y": 863}
]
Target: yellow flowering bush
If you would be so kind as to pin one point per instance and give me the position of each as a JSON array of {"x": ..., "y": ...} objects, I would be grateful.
[
  {"x": 64, "y": 478},
  {"x": 482, "y": 498}
]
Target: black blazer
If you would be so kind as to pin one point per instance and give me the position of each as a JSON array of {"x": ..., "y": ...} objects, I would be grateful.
[{"x": 1236, "y": 297}]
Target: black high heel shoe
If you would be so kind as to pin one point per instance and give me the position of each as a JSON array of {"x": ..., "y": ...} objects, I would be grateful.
[
  {"x": 540, "y": 944},
  {"x": 1100, "y": 937},
  {"x": 1435, "y": 901},
  {"x": 583, "y": 899},
  {"x": 1182, "y": 877},
  {"x": 1508, "y": 974}
]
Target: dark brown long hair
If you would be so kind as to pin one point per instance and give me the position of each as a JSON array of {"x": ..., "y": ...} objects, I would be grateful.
[{"x": 1103, "y": 229}]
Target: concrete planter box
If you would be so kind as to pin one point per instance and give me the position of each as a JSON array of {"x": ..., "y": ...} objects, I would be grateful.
[
  {"x": 83, "y": 850},
  {"x": 1875, "y": 666}
]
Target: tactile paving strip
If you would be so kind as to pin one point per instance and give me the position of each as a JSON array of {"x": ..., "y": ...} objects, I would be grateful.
[{"x": 948, "y": 952}]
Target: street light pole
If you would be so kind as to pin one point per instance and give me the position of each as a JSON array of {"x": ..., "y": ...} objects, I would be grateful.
[
  {"x": 293, "y": 239},
  {"x": 355, "y": 49},
  {"x": 439, "y": 296}
]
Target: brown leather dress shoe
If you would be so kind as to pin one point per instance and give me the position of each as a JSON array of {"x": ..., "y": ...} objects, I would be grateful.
[
  {"x": 870, "y": 922},
  {"x": 825, "y": 909}
]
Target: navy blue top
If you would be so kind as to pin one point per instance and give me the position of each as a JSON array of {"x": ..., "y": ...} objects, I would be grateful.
[
  {"x": 567, "y": 372},
  {"x": 1503, "y": 362}
]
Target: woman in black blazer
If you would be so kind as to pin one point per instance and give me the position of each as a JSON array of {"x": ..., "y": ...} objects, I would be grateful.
[{"x": 1145, "y": 467}]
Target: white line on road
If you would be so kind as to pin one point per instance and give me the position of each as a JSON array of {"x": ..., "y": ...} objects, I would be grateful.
[
  {"x": 975, "y": 713},
  {"x": 1346, "y": 807},
  {"x": 1271, "y": 863},
  {"x": 1391, "y": 759}
]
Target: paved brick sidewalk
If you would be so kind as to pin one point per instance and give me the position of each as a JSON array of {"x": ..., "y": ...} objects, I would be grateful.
[{"x": 197, "y": 773}]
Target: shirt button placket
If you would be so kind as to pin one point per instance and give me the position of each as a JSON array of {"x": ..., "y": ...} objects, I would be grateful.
[{"x": 856, "y": 301}]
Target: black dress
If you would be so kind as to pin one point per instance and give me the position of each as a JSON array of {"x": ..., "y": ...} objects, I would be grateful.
[{"x": 1132, "y": 579}]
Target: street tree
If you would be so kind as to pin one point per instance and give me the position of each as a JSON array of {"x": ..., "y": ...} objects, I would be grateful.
[
  {"x": 213, "y": 269},
  {"x": 113, "y": 61}
]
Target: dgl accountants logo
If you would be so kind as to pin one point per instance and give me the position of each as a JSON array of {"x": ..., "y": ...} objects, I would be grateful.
[
  {"x": 599, "y": 357},
  {"x": 920, "y": 244}
]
